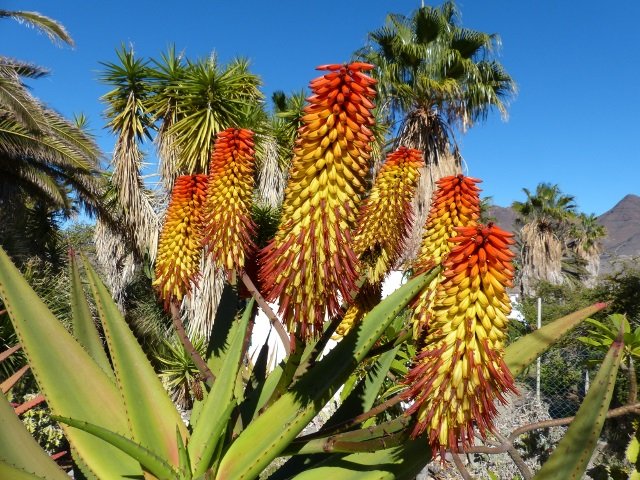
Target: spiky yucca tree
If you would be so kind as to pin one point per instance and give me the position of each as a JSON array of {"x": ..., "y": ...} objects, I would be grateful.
[
  {"x": 310, "y": 264},
  {"x": 179, "y": 247},
  {"x": 130, "y": 121},
  {"x": 229, "y": 229},
  {"x": 456, "y": 203},
  {"x": 460, "y": 372}
]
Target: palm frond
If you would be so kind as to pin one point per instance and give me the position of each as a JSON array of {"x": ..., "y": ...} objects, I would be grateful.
[
  {"x": 23, "y": 69},
  {"x": 51, "y": 28},
  {"x": 37, "y": 182},
  {"x": 17, "y": 103}
]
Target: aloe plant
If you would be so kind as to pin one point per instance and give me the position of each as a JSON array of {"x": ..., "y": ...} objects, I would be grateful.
[{"x": 120, "y": 421}]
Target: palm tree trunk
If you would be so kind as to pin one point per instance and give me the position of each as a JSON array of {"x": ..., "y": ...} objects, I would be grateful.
[
  {"x": 271, "y": 178},
  {"x": 425, "y": 131},
  {"x": 541, "y": 257},
  {"x": 116, "y": 261},
  {"x": 199, "y": 309}
]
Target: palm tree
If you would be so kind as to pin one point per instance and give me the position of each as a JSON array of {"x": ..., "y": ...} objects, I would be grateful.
[
  {"x": 545, "y": 220},
  {"x": 586, "y": 237},
  {"x": 435, "y": 76},
  {"x": 47, "y": 163}
]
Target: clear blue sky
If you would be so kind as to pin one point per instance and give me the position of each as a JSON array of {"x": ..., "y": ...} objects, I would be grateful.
[{"x": 577, "y": 64}]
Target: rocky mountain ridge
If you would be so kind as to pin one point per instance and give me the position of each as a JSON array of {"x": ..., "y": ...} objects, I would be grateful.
[{"x": 622, "y": 223}]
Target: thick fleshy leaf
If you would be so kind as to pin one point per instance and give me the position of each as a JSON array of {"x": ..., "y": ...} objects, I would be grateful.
[
  {"x": 397, "y": 463},
  {"x": 364, "y": 394},
  {"x": 525, "y": 350},
  {"x": 20, "y": 451},
  {"x": 71, "y": 381},
  {"x": 14, "y": 473},
  {"x": 270, "y": 433},
  {"x": 149, "y": 460},
  {"x": 82, "y": 322},
  {"x": 141, "y": 388},
  {"x": 571, "y": 457},
  {"x": 220, "y": 400}
]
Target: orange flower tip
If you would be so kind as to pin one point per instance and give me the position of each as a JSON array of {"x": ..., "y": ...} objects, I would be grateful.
[
  {"x": 330, "y": 66},
  {"x": 361, "y": 66}
]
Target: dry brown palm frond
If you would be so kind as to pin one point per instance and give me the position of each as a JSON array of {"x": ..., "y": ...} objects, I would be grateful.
[
  {"x": 425, "y": 131},
  {"x": 541, "y": 256},
  {"x": 116, "y": 261},
  {"x": 271, "y": 178},
  {"x": 199, "y": 309},
  {"x": 169, "y": 157},
  {"x": 138, "y": 215}
]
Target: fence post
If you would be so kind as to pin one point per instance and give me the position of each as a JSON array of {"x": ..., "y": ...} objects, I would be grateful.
[{"x": 539, "y": 325}]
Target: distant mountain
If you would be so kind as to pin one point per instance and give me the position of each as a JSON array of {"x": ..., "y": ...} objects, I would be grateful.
[
  {"x": 504, "y": 217},
  {"x": 623, "y": 226},
  {"x": 622, "y": 223}
]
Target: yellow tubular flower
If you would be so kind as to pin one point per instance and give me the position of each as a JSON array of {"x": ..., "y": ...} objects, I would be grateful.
[
  {"x": 179, "y": 247},
  {"x": 456, "y": 203},
  {"x": 385, "y": 217},
  {"x": 310, "y": 265},
  {"x": 229, "y": 228},
  {"x": 460, "y": 371}
]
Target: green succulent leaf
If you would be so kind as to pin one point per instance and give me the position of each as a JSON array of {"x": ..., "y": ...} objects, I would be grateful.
[
  {"x": 72, "y": 382},
  {"x": 185, "y": 463},
  {"x": 397, "y": 463},
  {"x": 571, "y": 457},
  {"x": 366, "y": 391},
  {"x": 20, "y": 451},
  {"x": 148, "y": 459},
  {"x": 15, "y": 473},
  {"x": 220, "y": 400},
  {"x": 280, "y": 423},
  {"x": 377, "y": 437},
  {"x": 141, "y": 388},
  {"x": 82, "y": 321},
  {"x": 525, "y": 350}
]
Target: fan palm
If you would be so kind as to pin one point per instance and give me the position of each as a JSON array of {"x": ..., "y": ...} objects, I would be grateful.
[
  {"x": 435, "y": 76},
  {"x": 587, "y": 235},
  {"x": 545, "y": 219},
  {"x": 44, "y": 158}
]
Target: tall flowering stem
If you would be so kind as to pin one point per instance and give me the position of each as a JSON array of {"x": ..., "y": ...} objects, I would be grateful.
[
  {"x": 385, "y": 218},
  {"x": 460, "y": 371},
  {"x": 179, "y": 247},
  {"x": 229, "y": 228},
  {"x": 310, "y": 264},
  {"x": 456, "y": 203},
  {"x": 384, "y": 222}
]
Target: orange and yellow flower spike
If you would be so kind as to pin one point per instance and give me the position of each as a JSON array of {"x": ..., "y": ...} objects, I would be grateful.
[
  {"x": 386, "y": 214},
  {"x": 229, "y": 228},
  {"x": 179, "y": 247},
  {"x": 310, "y": 265},
  {"x": 456, "y": 203},
  {"x": 460, "y": 371}
]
